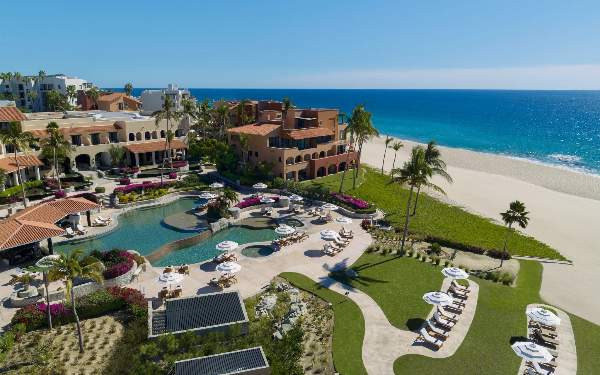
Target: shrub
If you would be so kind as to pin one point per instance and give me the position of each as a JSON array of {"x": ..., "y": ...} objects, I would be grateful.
[
  {"x": 253, "y": 202},
  {"x": 481, "y": 275},
  {"x": 17, "y": 189},
  {"x": 124, "y": 199},
  {"x": 167, "y": 343},
  {"x": 385, "y": 251},
  {"x": 437, "y": 261},
  {"x": 497, "y": 253},
  {"x": 191, "y": 180},
  {"x": 410, "y": 253},
  {"x": 173, "y": 175},
  {"x": 448, "y": 242},
  {"x": 8, "y": 339},
  {"x": 138, "y": 187},
  {"x": 125, "y": 181},
  {"x": 423, "y": 258},
  {"x": 446, "y": 263},
  {"x": 354, "y": 203},
  {"x": 370, "y": 249},
  {"x": 139, "y": 259},
  {"x": 100, "y": 189},
  {"x": 117, "y": 262},
  {"x": 418, "y": 256},
  {"x": 59, "y": 194},
  {"x": 435, "y": 248}
]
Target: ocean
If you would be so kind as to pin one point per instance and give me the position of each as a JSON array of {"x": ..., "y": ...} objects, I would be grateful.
[{"x": 559, "y": 128}]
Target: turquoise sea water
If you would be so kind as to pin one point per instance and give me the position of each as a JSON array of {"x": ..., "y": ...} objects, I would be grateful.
[{"x": 561, "y": 128}]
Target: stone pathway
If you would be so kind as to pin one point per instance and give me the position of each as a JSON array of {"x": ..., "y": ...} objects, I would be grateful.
[{"x": 567, "y": 352}]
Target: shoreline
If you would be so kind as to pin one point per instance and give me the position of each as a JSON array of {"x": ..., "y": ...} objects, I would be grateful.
[{"x": 564, "y": 212}]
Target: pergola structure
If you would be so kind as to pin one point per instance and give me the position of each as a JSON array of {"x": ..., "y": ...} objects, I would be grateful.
[
  {"x": 148, "y": 150},
  {"x": 38, "y": 223}
]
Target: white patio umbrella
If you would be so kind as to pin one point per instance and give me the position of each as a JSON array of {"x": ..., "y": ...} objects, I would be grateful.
[
  {"x": 169, "y": 278},
  {"x": 259, "y": 185},
  {"x": 267, "y": 200},
  {"x": 285, "y": 230},
  {"x": 329, "y": 206},
  {"x": 207, "y": 195},
  {"x": 532, "y": 351},
  {"x": 41, "y": 262},
  {"x": 343, "y": 220},
  {"x": 329, "y": 234},
  {"x": 296, "y": 198},
  {"x": 455, "y": 273},
  {"x": 437, "y": 298},
  {"x": 227, "y": 245},
  {"x": 543, "y": 316},
  {"x": 229, "y": 267},
  {"x": 216, "y": 185}
]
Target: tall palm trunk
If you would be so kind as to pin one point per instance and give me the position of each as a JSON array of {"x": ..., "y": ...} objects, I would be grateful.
[
  {"x": 47, "y": 300},
  {"x": 505, "y": 243},
  {"x": 19, "y": 178},
  {"x": 406, "y": 220},
  {"x": 383, "y": 163},
  {"x": 76, "y": 320},
  {"x": 394, "y": 163},
  {"x": 162, "y": 169},
  {"x": 56, "y": 172},
  {"x": 416, "y": 200},
  {"x": 357, "y": 166},
  {"x": 346, "y": 167}
]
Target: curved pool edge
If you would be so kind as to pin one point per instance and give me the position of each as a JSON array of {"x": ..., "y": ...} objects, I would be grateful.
[{"x": 173, "y": 246}]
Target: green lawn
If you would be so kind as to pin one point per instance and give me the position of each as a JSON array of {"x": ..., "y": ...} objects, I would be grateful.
[
  {"x": 587, "y": 340},
  {"x": 333, "y": 181},
  {"x": 349, "y": 326},
  {"x": 436, "y": 218},
  {"x": 397, "y": 285}
]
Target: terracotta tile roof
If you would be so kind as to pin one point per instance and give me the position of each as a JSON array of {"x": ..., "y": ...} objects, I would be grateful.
[
  {"x": 9, "y": 165},
  {"x": 255, "y": 129},
  {"x": 111, "y": 97},
  {"x": 8, "y": 114},
  {"x": 36, "y": 223},
  {"x": 80, "y": 129},
  {"x": 154, "y": 146},
  {"x": 310, "y": 133},
  {"x": 132, "y": 99}
]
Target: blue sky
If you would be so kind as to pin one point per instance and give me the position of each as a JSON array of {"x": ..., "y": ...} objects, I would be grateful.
[{"x": 308, "y": 44}]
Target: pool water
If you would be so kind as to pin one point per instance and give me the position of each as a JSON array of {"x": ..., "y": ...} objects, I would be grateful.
[
  {"x": 257, "y": 251},
  {"x": 206, "y": 249},
  {"x": 141, "y": 230},
  {"x": 295, "y": 223}
]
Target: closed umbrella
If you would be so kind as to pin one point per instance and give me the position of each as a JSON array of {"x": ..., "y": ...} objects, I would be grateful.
[
  {"x": 267, "y": 200},
  {"x": 455, "y": 273},
  {"x": 229, "y": 267},
  {"x": 170, "y": 278},
  {"x": 543, "y": 316},
  {"x": 260, "y": 185},
  {"x": 532, "y": 351},
  {"x": 207, "y": 195},
  {"x": 285, "y": 230},
  {"x": 437, "y": 298},
  {"x": 216, "y": 185},
  {"x": 227, "y": 245},
  {"x": 329, "y": 206},
  {"x": 296, "y": 198},
  {"x": 343, "y": 220}
]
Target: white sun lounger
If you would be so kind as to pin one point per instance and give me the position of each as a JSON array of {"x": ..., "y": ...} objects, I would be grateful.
[
  {"x": 448, "y": 315},
  {"x": 100, "y": 222},
  {"x": 436, "y": 331},
  {"x": 81, "y": 228},
  {"x": 103, "y": 219},
  {"x": 460, "y": 287},
  {"x": 425, "y": 335},
  {"x": 458, "y": 292},
  {"x": 443, "y": 322},
  {"x": 327, "y": 250},
  {"x": 69, "y": 231}
]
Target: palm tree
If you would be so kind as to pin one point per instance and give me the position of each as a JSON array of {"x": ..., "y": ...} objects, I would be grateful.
[
  {"x": 287, "y": 105},
  {"x": 68, "y": 267},
  {"x": 58, "y": 144},
  {"x": 116, "y": 153},
  {"x": 414, "y": 173},
  {"x": 35, "y": 81},
  {"x": 32, "y": 95},
  {"x": 191, "y": 111},
  {"x": 128, "y": 88},
  {"x": 170, "y": 137},
  {"x": 168, "y": 114},
  {"x": 93, "y": 95},
  {"x": 19, "y": 140},
  {"x": 241, "y": 107},
  {"x": 388, "y": 139},
  {"x": 352, "y": 128},
  {"x": 223, "y": 115},
  {"x": 17, "y": 76},
  {"x": 396, "y": 146},
  {"x": 42, "y": 75},
  {"x": 437, "y": 165},
  {"x": 71, "y": 92},
  {"x": 206, "y": 115},
  {"x": 365, "y": 132},
  {"x": 515, "y": 214},
  {"x": 9, "y": 77},
  {"x": 244, "y": 139}
]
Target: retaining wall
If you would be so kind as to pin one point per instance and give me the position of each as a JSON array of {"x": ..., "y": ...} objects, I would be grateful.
[{"x": 176, "y": 245}]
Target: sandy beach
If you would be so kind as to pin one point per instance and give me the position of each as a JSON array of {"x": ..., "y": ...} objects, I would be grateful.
[{"x": 564, "y": 213}]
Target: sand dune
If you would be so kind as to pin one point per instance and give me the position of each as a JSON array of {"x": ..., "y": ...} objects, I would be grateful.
[{"x": 564, "y": 210}]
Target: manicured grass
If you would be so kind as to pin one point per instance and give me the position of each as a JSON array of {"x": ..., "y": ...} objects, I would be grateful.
[
  {"x": 349, "y": 328},
  {"x": 436, "y": 218},
  {"x": 500, "y": 321},
  {"x": 397, "y": 285},
  {"x": 333, "y": 181},
  {"x": 587, "y": 340}
]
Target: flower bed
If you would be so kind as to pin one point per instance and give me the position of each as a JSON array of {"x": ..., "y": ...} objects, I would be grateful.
[
  {"x": 173, "y": 175},
  {"x": 129, "y": 170},
  {"x": 138, "y": 187},
  {"x": 124, "y": 181},
  {"x": 253, "y": 202},
  {"x": 177, "y": 165},
  {"x": 353, "y": 203},
  {"x": 89, "y": 305},
  {"x": 117, "y": 262},
  {"x": 52, "y": 183},
  {"x": 59, "y": 194}
]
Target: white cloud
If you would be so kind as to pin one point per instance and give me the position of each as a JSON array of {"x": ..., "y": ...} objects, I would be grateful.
[{"x": 567, "y": 77}]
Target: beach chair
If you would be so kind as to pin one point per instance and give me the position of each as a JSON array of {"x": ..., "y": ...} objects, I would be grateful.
[
  {"x": 448, "y": 315},
  {"x": 100, "y": 222},
  {"x": 310, "y": 212},
  {"x": 269, "y": 211},
  {"x": 335, "y": 247},
  {"x": 346, "y": 235},
  {"x": 296, "y": 209},
  {"x": 220, "y": 258},
  {"x": 164, "y": 294},
  {"x": 168, "y": 269},
  {"x": 103, "y": 219},
  {"x": 423, "y": 334},
  {"x": 185, "y": 269},
  {"x": 317, "y": 211},
  {"x": 460, "y": 287},
  {"x": 81, "y": 229},
  {"x": 457, "y": 302},
  {"x": 339, "y": 243},
  {"x": 537, "y": 368},
  {"x": 545, "y": 332},
  {"x": 262, "y": 210},
  {"x": 345, "y": 231},
  {"x": 231, "y": 279},
  {"x": 291, "y": 208},
  {"x": 70, "y": 231},
  {"x": 14, "y": 280},
  {"x": 542, "y": 338},
  {"x": 178, "y": 292},
  {"x": 436, "y": 331},
  {"x": 328, "y": 251},
  {"x": 217, "y": 282},
  {"x": 458, "y": 292},
  {"x": 443, "y": 322},
  {"x": 454, "y": 307},
  {"x": 304, "y": 235}
]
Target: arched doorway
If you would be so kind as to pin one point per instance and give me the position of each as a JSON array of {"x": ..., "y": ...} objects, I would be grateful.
[
  {"x": 342, "y": 166},
  {"x": 332, "y": 169},
  {"x": 131, "y": 137},
  {"x": 307, "y": 157},
  {"x": 321, "y": 172},
  {"x": 315, "y": 155},
  {"x": 83, "y": 162},
  {"x": 138, "y": 136},
  {"x": 147, "y": 135},
  {"x": 322, "y": 155},
  {"x": 102, "y": 159}
]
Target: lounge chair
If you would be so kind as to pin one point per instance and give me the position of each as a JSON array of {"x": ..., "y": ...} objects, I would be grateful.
[
  {"x": 81, "y": 229},
  {"x": 340, "y": 243},
  {"x": 346, "y": 235},
  {"x": 291, "y": 208},
  {"x": 262, "y": 210},
  {"x": 443, "y": 322},
  {"x": 296, "y": 209},
  {"x": 436, "y": 331},
  {"x": 542, "y": 338},
  {"x": 178, "y": 293},
  {"x": 455, "y": 307},
  {"x": 549, "y": 328},
  {"x": 103, "y": 219},
  {"x": 448, "y": 315},
  {"x": 326, "y": 219},
  {"x": 428, "y": 339},
  {"x": 460, "y": 287},
  {"x": 185, "y": 269},
  {"x": 70, "y": 231},
  {"x": 345, "y": 231},
  {"x": 537, "y": 368},
  {"x": 458, "y": 292},
  {"x": 220, "y": 258},
  {"x": 335, "y": 247},
  {"x": 14, "y": 280},
  {"x": 164, "y": 294},
  {"x": 269, "y": 211},
  {"x": 100, "y": 222},
  {"x": 545, "y": 332},
  {"x": 217, "y": 282},
  {"x": 328, "y": 251},
  {"x": 310, "y": 212},
  {"x": 317, "y": 212}
]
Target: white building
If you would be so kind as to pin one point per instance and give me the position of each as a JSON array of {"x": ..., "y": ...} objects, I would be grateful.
[
  {"x": 154, "y": 100},
  {"x": 56, "y": 82},
  {"x": 7, "y": 103}
]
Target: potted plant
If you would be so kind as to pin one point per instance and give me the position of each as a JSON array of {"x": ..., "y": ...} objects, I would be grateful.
[{"x": 26, "y": 279}]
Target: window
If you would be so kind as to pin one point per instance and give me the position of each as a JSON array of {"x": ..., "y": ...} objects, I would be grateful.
[
  {"x": 76, "y": 140},
  {"x": 256, "y": 153},
  {"x": 10, "y": 149},
  {"x": 112, "y": 137},
  {"x": 249, "y": 153},
  {"x": 163, "y": 106},
  {"x": 147, "y": 135},
  {"x": 23, "y": 104},
  {"x": 163, "y": 134},
  {"x": 43, "y": 87},
  {"x": 285, "y": 143},
  {"x": 50, "y": 86},
  {"x": 21, "y": 95},
  {"x": 342, "y": 135},
  {"x": 162, "y": 98},
  {"x": 280, "y": 160},
  {"x": 20, "y": 86},
  {"x": 273, "y": 141},
  {"x": 235, "y": 137},
  {"x": 95, "y": 138},
  {"x": 126, "y": 105},
  {"x": 59, "y": 87},
  {"x": 131, "y": 137},
  {"x": 120, "y": 106},
  {"x": 320, "y": 123}
]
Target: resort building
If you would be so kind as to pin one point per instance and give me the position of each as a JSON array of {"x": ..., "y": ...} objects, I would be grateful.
[
  {"x": 303, "y": 143},
  {"x": 57, "y": 82},
  {"x": 118, "y": 101},
  {"x": 92, "y": 133},
  {"x": 154, "y": 100}
]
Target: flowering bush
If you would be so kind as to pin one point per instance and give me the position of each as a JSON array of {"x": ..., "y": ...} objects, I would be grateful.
[
  {"x": 173, "y": 175},
  {"x": 129, "y": 170},
  {"x": 52, "y": 183},
  {"x": 125, "y": 181},
  {"x": 253, "y": 202},
  {"x": 355, "y": 203},
  {"x": 94, "y": 303},
  {"x": 117, "y": 262},
  {"x": 138, "y": 187},
  {"x": 59, "y": 194},
  {"x": 177, "y": 165},
  {"x": 497, "y": 253}
]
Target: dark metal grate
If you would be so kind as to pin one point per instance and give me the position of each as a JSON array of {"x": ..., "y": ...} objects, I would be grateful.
[
  {"x": 220, "y": 364},
  {"x": 204, "y": 311}
]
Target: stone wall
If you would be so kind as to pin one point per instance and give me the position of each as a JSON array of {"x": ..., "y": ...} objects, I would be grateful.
[{"x": 176, "y": 245}]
